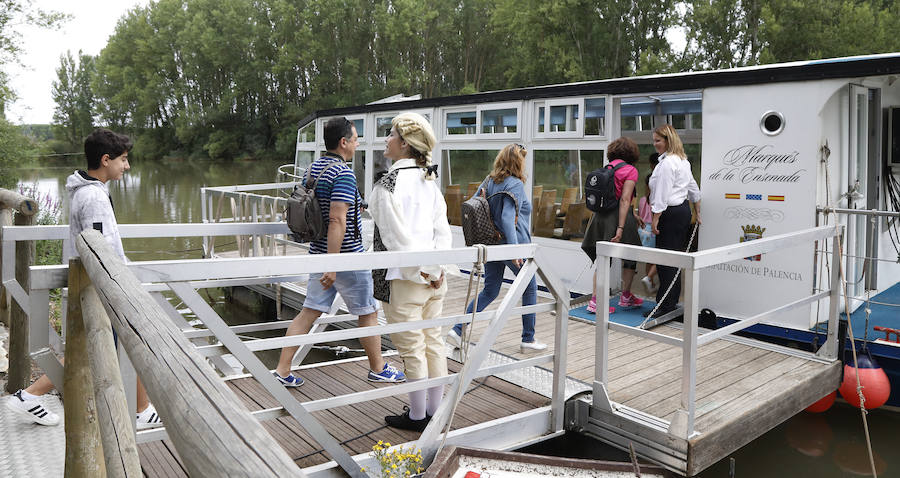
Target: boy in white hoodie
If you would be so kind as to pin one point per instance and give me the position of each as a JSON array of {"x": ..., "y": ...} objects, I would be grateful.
[{"x": 90, "y": 207}]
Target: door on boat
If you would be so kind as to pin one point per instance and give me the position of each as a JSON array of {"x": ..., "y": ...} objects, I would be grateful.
[{"x": 862, "y": 188}]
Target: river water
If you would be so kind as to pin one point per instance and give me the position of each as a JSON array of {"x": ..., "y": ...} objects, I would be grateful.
[{"x": 831, "y": 444}]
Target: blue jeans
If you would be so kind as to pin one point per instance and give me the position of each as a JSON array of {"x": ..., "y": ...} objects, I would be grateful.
[{"x": 493, "y": 279}]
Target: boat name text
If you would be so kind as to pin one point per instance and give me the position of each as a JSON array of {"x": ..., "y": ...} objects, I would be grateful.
[
  {"x": 760, "y": 271},
  {"x": 750, "y": 164}
]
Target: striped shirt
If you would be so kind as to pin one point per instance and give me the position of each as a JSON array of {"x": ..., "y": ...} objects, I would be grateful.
[{"x": 338, "y": 184}]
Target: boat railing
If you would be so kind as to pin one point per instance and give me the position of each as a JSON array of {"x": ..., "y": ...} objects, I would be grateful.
[
  {"x": 682, "y": 425},
  {"x": 862, "y": 251},
  {"x": 242, "y": 203},
  {"x": 186, "y": 277}
]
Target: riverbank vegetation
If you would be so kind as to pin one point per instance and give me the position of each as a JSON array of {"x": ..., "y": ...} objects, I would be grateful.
[{"x": 231, "y": 79}]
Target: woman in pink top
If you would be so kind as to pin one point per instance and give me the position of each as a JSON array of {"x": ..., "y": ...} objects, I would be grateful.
[
  {"x": 619, "y": 224},
  {"x": 648, "y": 239}
]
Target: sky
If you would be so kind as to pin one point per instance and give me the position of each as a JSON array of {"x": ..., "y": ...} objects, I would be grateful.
[{"x": 89, "y": 30}]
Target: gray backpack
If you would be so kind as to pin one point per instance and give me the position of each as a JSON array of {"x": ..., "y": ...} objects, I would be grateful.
[{"x": 302, "y": 213}]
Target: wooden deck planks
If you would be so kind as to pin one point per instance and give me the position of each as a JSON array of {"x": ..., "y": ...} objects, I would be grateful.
[
  {"x": 733, "y": 380},
  {"x": 361, "y": 425}
]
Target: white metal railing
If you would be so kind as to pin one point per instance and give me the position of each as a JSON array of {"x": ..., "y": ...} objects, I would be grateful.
[
  {"x": 185, "y": 277},
  {"x": 245, "y": 206},
  {"x": 682, "y": 425},
  {"x": 42, "y": 339}
]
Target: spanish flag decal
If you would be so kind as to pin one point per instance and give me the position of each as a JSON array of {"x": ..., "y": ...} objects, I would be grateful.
[
  {"x": 732, "y": 196},
  {"x": 776, "y": 198}
]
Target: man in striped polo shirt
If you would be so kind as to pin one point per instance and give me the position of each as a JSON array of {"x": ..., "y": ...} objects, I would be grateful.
[{"x": 340, "y": 201}]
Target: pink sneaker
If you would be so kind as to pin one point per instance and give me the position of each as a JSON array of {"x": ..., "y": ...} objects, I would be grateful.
[
  {"x": 627, "y": 299},
  {"x": 592, "y": 305},
  {"x": 612, "y": 310}
]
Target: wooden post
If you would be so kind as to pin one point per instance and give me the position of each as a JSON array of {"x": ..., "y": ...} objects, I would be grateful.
[
  {"x": 116, "y": 425},
  {"x": 212, "y": 431},
  {"x": 84, "y": 449},
  {"x": 19, "y": 358},
  {"x": 5, "y": 220}
]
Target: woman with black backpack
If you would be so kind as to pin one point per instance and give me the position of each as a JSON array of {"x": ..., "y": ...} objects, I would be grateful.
[
  {"x": 617, "y": 224},
  {"x": 507, "y": 176}
]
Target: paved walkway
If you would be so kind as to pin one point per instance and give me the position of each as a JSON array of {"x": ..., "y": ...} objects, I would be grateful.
[{"x": 29, "y": 449}]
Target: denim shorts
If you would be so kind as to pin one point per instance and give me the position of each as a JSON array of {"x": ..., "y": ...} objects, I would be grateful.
[{"x": 354, "y": 286}]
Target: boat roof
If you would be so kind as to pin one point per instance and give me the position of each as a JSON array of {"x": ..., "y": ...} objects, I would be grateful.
[{"x": 829, "y": 68}]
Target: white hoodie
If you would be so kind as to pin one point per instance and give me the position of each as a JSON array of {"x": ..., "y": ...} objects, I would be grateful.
[{"x": 90, "y": 207}]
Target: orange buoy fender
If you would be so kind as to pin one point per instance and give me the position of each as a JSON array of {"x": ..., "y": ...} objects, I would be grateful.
[
  {"x": 876, "y": 387},
  {"x": 823, "y": 404}
]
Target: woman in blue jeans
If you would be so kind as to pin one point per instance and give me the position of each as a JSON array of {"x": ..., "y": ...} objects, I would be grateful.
[{"x": 507, "y": 175}]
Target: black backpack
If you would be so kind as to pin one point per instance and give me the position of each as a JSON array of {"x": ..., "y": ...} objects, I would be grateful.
[
  {"x": 600, "y": 188},
  {"x": 303, "y": 213},
  {"x": 477, "y": 224}
]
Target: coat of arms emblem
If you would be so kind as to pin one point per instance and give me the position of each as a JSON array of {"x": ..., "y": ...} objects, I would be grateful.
[{"x": 751, "y": 233}]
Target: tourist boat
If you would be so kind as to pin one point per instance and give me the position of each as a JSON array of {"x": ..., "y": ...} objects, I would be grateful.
[{"x": 775, "y": 149}]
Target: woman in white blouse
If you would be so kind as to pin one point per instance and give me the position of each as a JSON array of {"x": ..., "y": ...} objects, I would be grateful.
[
  {"x": 410, "y": 215},
  {"x": 671, "y": 187}
]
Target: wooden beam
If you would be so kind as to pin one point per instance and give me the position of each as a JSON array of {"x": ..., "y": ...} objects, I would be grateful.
[
  {"x": 19, "y": 203},
  {"x": 19, "y": 361},
  {"x": 116, "y": 423},
  {"x": 211, "y": 430},
  {"x": 84, "y": 449}
]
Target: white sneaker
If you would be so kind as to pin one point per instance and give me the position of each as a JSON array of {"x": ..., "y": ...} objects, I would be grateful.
[
  {"x": 532, "y": 346},
  {"x": 32, "y": 410},
  {"x": 148, "y": 418},
  {"x": 651, "y": 287},
  {"x": 453, "y": 339}
]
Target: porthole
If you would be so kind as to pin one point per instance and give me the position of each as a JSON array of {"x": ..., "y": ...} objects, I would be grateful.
[{"x": 771, "y": 123}]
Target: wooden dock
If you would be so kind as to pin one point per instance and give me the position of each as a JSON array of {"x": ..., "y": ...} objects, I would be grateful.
[
  {"x": 358, "y": 426},
  {"x": 744, "y": 388}
]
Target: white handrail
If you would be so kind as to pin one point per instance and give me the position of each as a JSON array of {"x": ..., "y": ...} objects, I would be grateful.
[
  {"x": 179, "y": 274},
  {"x": 682, "y": 424}
]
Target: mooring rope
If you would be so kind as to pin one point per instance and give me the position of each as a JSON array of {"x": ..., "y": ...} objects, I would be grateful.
[
  {"x": 465, "y": 337},
  {"x": 826, "y": 153}
]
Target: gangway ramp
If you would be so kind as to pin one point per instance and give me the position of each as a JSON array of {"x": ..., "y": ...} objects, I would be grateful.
[
  {"x": 686, "y": 397},
  {"x": 744, "y": 388}
]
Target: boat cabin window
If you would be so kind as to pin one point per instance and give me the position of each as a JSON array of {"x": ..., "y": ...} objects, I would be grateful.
[
  {"x": 559, "y": 118},
  {"x": 305, "y": 158},
  {"x": 307, "y": 133},
  {"x": 360, "y": 125},
  {"x": 461, "y": 122},
  {"x": 359, "y": 170},
  {"x": 383, "y": 123},
  {"x": 643, "y": 113},
  {"x": 380, "y": 164},
  {"x": 595, "y": 117},
  {"x": 558, "y": 208},
  {"x": 462, "y": 171},
  {"x": 499, "y": 121},
  {"x": 383, "y": 126}
]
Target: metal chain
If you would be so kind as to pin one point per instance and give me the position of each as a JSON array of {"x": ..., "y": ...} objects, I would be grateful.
[{"x": 671, "y": 284}]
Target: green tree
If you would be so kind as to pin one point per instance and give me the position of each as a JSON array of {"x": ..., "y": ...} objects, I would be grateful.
[
  {"x": 73, "y": 117},
  {"x": 14, "y": 145}
]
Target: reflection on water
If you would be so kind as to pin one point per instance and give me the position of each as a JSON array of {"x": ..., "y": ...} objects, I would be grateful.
[
  {"x": 155, "y": 192},
  {"x": 824, "y": 445}
]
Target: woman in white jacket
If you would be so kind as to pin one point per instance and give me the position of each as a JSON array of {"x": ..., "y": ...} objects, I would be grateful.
[{"x": 410, "y": 215}]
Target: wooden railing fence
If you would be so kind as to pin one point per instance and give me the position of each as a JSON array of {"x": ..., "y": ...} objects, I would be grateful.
[
  {"x": 12, "y": 314},
  {"x": 212, "y": 432}
]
